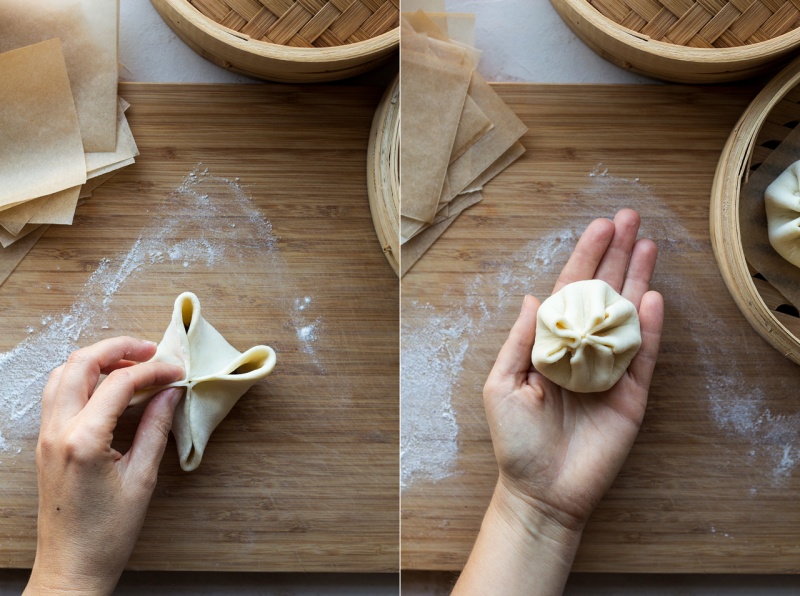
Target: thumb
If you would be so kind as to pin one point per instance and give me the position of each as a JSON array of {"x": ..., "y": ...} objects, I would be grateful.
[
  {"x": 150, "y": 442},
  {"x": 514, "y": 360}
]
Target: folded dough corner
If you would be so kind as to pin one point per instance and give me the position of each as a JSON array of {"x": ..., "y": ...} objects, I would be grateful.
[{"x": 217, "y": 375}]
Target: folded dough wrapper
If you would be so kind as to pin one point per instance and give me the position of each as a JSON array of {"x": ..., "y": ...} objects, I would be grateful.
[{"x": 217, "y": 375}]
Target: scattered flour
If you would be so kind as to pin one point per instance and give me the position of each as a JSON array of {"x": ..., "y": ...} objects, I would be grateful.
[
  {"x": 432, "y": 359},
  {"x": 307, "y": 329},
  {"x": 188, "y": 249},
  {"x": 716, "y": 532},
  {"x": 307, "y": 333},
  {"x": 436, "y": 343},
  {"x": 25, "y": 368}
]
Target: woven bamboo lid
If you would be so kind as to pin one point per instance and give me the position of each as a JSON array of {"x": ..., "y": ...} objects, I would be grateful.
[
  {"x": 691, "y": 41},
  {"x": 706, "y": 23},
  {"x": 288, "y": 40},
  {"x": 383, "y": 173},
  {"x": 760, "y": 130},
  {"x": 304, "y": 23}
]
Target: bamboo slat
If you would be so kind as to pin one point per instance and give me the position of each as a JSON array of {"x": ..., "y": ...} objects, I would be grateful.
[
  {"x": 346, "y": 21},
  {"x": 383, "y": 173}
]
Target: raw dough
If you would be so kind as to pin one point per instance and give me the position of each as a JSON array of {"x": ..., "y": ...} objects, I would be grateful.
[
  {"x": 217, "y": 375},
  {"x": 782, "y": 201},
  {"x": 586, "y": 336}
]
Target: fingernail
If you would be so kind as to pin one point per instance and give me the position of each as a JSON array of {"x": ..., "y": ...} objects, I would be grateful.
[{"x": 173, "y": 396}]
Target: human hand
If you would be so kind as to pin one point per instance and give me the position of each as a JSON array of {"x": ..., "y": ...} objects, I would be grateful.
[
  {"x": 93, "y": 499},
  {"x": 559, "y": 451}
]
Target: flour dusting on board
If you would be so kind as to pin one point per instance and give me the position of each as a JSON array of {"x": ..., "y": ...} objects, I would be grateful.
[
  {"x": 24, "y": 369},
  {"x": 307, "y": 327},
  {"x": 432, "y": 359},
  {"x": 434, "y": 354}
]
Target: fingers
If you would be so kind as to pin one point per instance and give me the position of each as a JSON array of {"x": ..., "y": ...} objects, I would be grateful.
[
  {"x": 640, "y": 271},
  {"x": 115, "y": 393},
  {"x": 614, "y": 264},
  {"x": 514, "y": 359},
  {"x": 651, "y": 321},
  {"x": 83, "y": 368},
  {"x": 588, "y": 253},
  {"x": 50, "y": 393},
  {"x": 148, "y": 446},
  {"x": 117, "y": 365}
]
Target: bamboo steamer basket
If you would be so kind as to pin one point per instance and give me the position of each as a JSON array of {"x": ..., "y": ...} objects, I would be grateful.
[
  {"x": 302, "y": 41},
  {"x": 762, "y": 127},
  {"x": 688, "y": 41},
  {"x": 383, "y": 173}
]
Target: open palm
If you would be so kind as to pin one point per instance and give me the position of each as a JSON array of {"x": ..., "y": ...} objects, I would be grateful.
[{"x": 559, "y": 450}]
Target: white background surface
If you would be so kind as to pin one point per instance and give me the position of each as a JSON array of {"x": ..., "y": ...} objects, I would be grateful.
[
  {"x": 522, "y": 40},
  {"x": 527, "y": 41}
]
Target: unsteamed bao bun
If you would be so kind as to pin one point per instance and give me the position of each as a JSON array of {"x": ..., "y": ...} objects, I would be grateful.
[
  {"x": 586, "y": 336},
  {"x": 782, "y": 200}
]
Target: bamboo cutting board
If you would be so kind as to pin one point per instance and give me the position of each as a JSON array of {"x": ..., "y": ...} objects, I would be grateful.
[
  {"x": 712, "y": 482},
  {"x": 255, "y": 198}
]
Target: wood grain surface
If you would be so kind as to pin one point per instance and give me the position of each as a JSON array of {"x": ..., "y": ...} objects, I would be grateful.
[
  {"x": 711, "y": 484},
  {"x": 255, "y": 198}
]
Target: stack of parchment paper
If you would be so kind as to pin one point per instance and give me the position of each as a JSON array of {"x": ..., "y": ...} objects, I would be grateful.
[
  {"x": 456, "y": 132},
  {"x": 63, "y": 130}
]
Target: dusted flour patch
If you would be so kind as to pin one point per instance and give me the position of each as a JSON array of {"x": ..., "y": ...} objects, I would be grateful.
[
  {"x": 436, "y": 346},
  {"x": 432, "y": 359},
  {"x": 194, "y": 249},
  {"x": 307, "y": 333},
  {"x": 307, "y": 327}
]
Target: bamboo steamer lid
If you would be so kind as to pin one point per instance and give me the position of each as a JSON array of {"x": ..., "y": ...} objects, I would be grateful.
[
  {"x": 762, "y": 127},
  {"x": 688, "y": 41},
  {"x": 383, "y": 173},
  {"x": 292, "y": 41}
]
